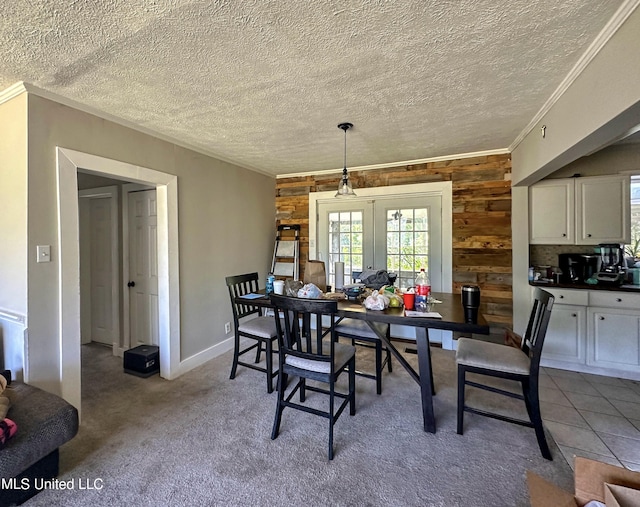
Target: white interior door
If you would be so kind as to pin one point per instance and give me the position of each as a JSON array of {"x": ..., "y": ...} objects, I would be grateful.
[
  {"x": 102, "y": 273},
  {"x": 99, "y": 266},
  {"x": 143, "y": 268}
]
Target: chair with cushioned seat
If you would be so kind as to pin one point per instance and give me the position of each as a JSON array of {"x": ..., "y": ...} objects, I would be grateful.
[
  {"x": 309, "y": 352},
  {"x": 508, "y": 362},
  {"x": 261, "y": 329},
  {"x": 362, "y": 335}
]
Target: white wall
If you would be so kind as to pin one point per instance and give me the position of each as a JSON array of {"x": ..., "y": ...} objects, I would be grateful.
[
  {"x": 13, "y": 202},
  {"x": 602, "y": 103}
]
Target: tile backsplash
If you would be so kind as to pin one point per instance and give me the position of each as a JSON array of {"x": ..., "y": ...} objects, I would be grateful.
[{"x": 547, "y": 255}]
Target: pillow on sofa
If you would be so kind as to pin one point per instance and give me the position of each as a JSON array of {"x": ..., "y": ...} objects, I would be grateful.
[
  {"x": 5, "y": 403},
  {"x": 7, "y": 429}
]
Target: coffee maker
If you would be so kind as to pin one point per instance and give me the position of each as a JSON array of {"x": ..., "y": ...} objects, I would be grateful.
[
  {"x": 577, "y": 268},
  {"x": 612, "y": 264}
]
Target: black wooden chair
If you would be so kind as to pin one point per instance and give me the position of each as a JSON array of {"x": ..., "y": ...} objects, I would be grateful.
[
  {"x": 362, "y": 335},
  {"x": 309, "y": 352},
  {"x": 261, "y": 330},
  {"x": 508, "y": 362}
]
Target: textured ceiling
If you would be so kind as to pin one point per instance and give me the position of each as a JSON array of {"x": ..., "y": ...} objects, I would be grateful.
[{"x": 264, "y": 83}]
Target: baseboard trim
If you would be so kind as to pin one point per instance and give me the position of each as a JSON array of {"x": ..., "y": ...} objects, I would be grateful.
[{"x": 206, "y": 355}]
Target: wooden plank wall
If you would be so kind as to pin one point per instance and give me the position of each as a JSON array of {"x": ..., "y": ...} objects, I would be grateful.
[{"x": 481, "y": 219}]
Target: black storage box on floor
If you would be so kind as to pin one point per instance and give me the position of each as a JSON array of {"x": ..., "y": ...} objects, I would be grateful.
[{"x": 143, "y": 360}]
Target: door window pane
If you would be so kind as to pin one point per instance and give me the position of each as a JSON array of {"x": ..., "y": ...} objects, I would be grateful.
[
  {"x": 345, "y": 243},
  {"x": 407, "y": 243}
]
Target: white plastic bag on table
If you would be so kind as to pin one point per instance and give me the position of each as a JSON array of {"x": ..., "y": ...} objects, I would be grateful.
[
  {"x": 310, "y": 291},
  {"x": 376, "y": 301}
]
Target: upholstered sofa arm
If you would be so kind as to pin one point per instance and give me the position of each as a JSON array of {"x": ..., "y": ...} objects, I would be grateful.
[{"x": 45, "y": 422}]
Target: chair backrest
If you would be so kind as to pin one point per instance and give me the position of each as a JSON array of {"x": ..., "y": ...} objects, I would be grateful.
[
  {"x": 239, "y": 285},
  {"x": 300, "y": 331},
  {"x": 533, "y": 339}
]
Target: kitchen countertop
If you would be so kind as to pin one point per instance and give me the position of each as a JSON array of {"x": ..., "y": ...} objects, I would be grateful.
[{"x": 583, "y": 286}]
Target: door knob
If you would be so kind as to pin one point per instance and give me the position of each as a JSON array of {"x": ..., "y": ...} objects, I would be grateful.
[{"x": 131, "y": 284}]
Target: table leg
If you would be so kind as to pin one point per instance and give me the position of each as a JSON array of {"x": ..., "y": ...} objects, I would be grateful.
[
  {"x": 426, "y": 378},
  {"x": 395, "y": 351}
]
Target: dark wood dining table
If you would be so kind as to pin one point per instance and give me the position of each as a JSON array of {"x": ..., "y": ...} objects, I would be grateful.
[{"x": 450, "y": 308}]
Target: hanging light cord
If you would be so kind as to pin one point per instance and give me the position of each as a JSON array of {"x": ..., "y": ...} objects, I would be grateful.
[{"x": 344, "y": 170}]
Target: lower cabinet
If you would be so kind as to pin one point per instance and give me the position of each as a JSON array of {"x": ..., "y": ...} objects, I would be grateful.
[
  {"x": 595, "y": 331},
  {"x": 613, "y": 338},
  {"x": 565, "y": 335},
  {"x": 565, "y": 341}
]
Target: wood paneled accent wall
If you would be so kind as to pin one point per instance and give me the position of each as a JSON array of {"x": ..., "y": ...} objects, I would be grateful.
[{"x": 481, "y": 218}]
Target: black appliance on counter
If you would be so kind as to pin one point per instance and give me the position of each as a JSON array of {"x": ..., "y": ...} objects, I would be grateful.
[
  {"x": 577, "y": 268},
  {"x": 612, "y": 266}
]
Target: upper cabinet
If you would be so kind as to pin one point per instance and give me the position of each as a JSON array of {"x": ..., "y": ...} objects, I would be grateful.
[
  {"x": 603, "y": 210},
  {"x": 580, "y": 211},
  {"x": 552, "y": 212}
]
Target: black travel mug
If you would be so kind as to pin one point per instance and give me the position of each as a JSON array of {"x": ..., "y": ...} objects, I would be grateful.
[{"x": 471, "y": 302}]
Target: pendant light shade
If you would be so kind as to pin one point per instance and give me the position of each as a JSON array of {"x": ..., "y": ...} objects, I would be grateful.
[{"x": 344, "y": 187}]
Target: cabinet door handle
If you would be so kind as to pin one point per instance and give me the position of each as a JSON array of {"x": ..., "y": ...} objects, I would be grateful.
[
  {"x": 561, "y": 296},
  {"x": 564, "y": 234},
  {"x": 574, "y": 314},
  {"x": 601, "y": 318},
  {"x": 588, "y": 235},
  {"x": 619, "y": 300}
]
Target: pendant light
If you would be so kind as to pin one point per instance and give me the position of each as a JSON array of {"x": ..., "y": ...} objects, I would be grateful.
[{"x": 344, "y": 187}]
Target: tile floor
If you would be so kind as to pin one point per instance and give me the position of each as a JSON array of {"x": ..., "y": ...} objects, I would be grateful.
[{"x": 592, "y": 416}]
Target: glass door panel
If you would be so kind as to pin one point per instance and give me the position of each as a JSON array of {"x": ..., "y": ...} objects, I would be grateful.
[
  {"x": 346, "y": 243},
  {"x": 409, "y": 232},
  {"x": 345, "y": 234}
]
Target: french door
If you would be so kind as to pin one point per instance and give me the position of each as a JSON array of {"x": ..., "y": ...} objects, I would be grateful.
[{"x": 401, "y": 235}]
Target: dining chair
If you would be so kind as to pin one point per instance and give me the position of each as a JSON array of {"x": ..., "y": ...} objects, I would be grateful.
[
  {"x": 260, "y": 330},
  {"x": 521, "y": 364},
  {"x": 309, "y": 352},
  {"x": 362, "y": 335}
]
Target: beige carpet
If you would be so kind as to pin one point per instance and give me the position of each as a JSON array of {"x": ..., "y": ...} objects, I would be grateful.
[{"x": 203, "y": 439}]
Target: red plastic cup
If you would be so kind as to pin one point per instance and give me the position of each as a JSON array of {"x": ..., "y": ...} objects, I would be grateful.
[{"x": 409, "y": 299}]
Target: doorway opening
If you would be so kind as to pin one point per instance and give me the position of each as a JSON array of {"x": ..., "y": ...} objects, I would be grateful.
[{"x": 68, "y": 163}]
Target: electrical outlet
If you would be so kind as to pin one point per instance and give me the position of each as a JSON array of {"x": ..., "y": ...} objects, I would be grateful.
[{"x": 227, "y": 327}]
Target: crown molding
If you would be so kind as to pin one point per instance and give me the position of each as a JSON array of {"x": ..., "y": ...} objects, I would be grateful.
[
  {"x": 614, "y": 24},
  {"x": 500, "y": 151},
  {"x": 22, "y": 87},
  {"x": 12, "y": 92}
]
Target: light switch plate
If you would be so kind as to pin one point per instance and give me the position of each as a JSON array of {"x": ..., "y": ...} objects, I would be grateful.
[{"x": 44, "y": 253}]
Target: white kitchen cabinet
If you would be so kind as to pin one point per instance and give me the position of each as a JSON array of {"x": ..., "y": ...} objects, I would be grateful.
[
  {"x": 552, "y": 212},
  {"x": 581, "y": 211},
  {"x": 613, "y": 330},
  {"x": 614, "y": 338},
  {"x": 594, "y": 331},
  {"x": 565, "y": 335},
  {"x": 603, "y": 210},
  {"x": 565, "y": 339}
]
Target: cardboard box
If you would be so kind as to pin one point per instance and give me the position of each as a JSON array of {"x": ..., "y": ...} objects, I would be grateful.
[{"x": 594, "y": 480}]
